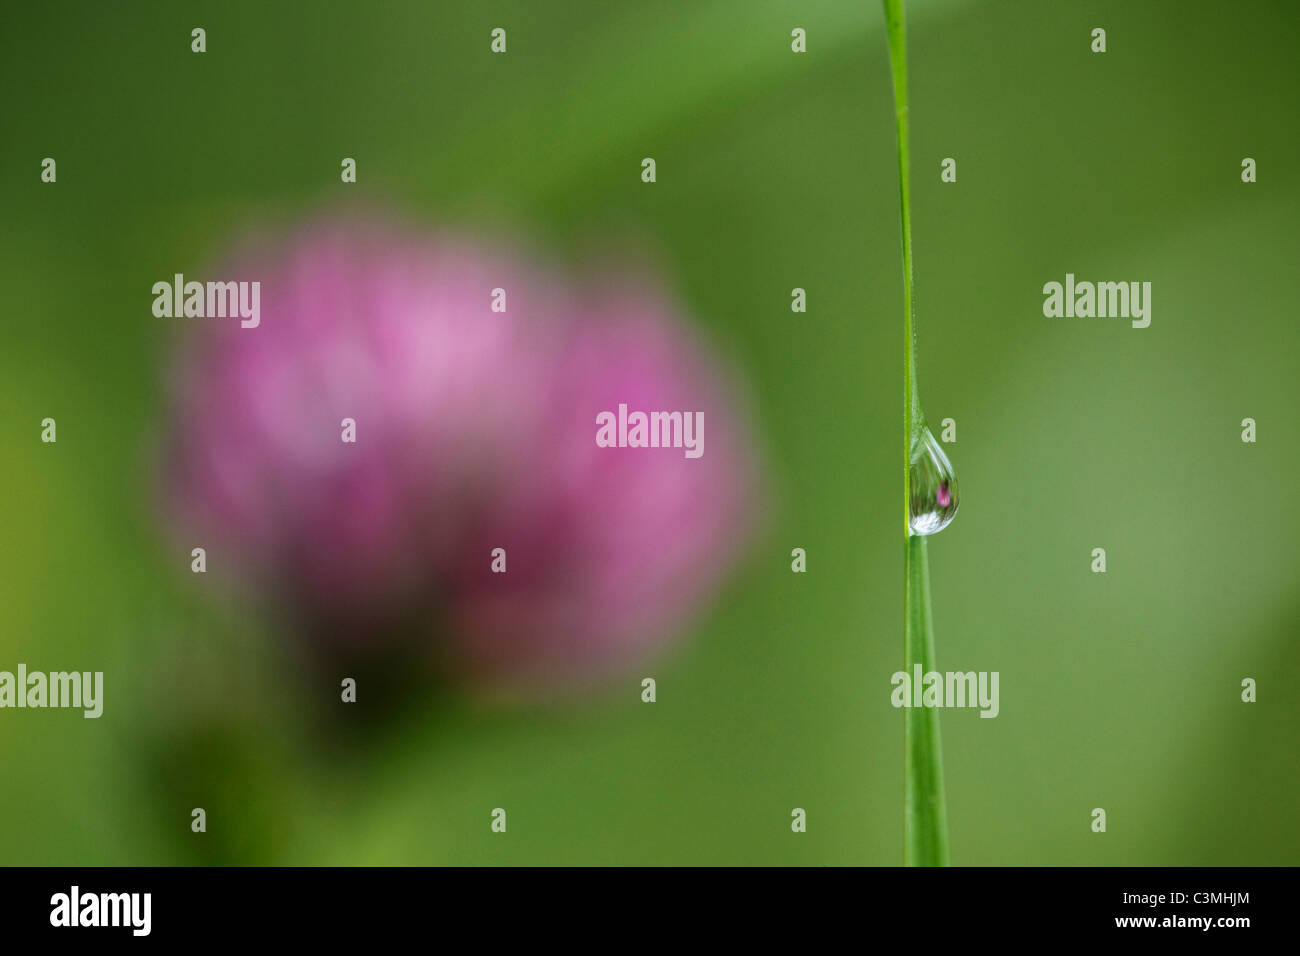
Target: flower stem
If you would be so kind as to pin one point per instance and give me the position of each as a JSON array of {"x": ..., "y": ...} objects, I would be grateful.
[{"x": 925, "y": 824}]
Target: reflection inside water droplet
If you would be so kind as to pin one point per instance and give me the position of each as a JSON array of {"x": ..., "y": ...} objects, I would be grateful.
[{"x": 932, "y": 486}]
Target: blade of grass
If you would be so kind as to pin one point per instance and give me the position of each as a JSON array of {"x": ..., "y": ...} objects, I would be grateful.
[
  {"x": 925, "y": 818},
  {"x": 925, "y": 814}
]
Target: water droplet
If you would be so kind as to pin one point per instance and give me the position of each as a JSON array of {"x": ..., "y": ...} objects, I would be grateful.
[{"x": 932, "y": 486}]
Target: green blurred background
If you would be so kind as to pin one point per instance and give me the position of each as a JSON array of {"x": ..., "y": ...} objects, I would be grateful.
[{"x": 775, "y": 170}]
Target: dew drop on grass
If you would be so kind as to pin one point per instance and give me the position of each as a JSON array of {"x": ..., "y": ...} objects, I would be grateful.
[{"x": 932, "y": 486}]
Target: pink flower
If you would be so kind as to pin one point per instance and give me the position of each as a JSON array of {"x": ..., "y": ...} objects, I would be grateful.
[{"x": 475, "y": 430}]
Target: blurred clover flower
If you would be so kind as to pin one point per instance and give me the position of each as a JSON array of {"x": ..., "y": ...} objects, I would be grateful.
[{"x": 475, "y": 430}]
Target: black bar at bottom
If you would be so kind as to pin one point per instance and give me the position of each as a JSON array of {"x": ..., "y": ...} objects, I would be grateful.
[{"x": 331, "y": 906}]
